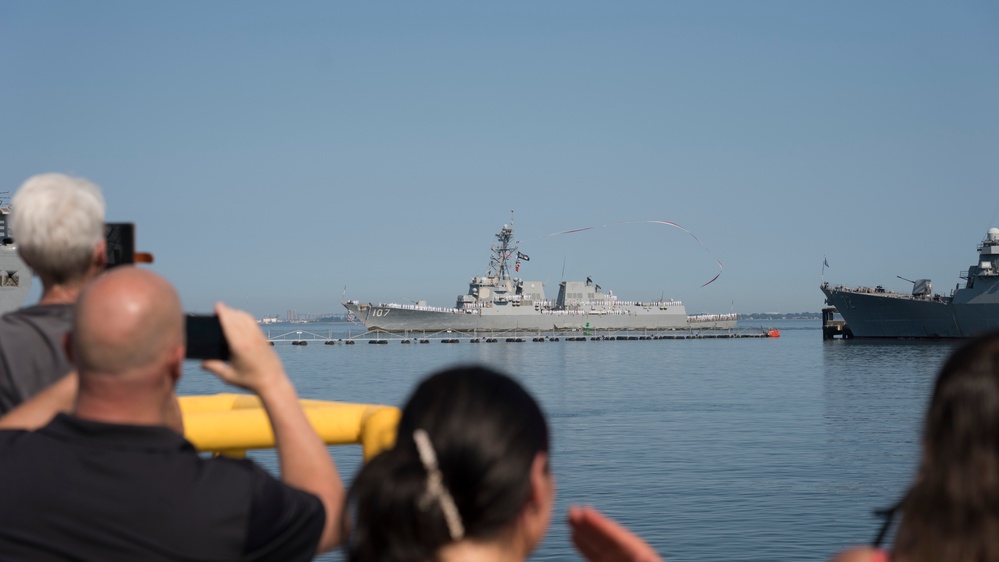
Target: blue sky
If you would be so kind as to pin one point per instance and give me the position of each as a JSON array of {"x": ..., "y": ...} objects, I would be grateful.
[{"x": 272, "y": 154}]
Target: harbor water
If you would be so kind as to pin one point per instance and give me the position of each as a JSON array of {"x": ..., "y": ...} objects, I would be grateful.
[{"x": 768, "y": 449}]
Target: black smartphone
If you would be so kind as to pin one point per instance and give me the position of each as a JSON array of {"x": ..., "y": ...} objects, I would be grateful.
[
  {"x": 120, "y": 238},
  {"x": 205, "y": 338}
]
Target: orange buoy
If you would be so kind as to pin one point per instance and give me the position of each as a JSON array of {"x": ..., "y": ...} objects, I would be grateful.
[{"x": 773, "y": 333}]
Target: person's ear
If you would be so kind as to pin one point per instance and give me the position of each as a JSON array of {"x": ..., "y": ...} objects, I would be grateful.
[
  {"x": 537, "y": 511},
  {"x": 542, "y": 481},
  {"x": 99, "y": 259},
  {"x": 177, "y": 363}
]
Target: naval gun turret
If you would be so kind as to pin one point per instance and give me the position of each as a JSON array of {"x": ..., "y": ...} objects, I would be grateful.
[{"x": 920, "y": 287}]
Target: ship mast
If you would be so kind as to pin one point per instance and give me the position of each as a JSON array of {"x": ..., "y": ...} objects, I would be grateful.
[{"x": 502, "y": 252}]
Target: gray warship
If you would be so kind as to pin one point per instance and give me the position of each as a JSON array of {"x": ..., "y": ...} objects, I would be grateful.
[
  {"x": 968, "y": 311},
  {"x": 498, "y": 302},
  {"x": 15, "y": 276}
]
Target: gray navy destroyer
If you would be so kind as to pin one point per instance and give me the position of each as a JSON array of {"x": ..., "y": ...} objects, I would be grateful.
[
  {"x": 969, "y": 311},
  {"x": 15, "y": 276},
  {"x": 498, "y": 302}
]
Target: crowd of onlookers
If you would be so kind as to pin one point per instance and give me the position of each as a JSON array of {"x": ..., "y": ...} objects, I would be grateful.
[{"x": 94, "y": 465}]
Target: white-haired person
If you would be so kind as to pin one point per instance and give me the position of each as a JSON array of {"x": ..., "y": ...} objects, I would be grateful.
[{"x": 58, "y": 226}]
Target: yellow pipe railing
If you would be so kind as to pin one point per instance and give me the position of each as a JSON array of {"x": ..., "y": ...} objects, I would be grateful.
[{"x": 230, "y": 424}]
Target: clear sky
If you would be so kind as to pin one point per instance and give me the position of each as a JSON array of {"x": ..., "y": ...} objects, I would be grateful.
[{"x": 272, "y": 154}]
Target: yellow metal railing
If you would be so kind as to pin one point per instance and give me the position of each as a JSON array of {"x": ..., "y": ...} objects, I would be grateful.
[{"x": 230, "y": 424}]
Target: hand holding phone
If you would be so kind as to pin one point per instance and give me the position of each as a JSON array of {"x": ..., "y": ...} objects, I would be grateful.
[
  {"x": 120, "y": 241},
  {"x": 253, "y": 364}
]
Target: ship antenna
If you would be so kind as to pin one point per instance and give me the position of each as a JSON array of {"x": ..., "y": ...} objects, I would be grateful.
[
  {"x": 563, "y": 268},
  {"x": 502, "y": 252}
]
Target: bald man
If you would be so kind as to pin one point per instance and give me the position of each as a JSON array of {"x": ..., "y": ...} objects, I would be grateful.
[{"x": 115, "y": 479}]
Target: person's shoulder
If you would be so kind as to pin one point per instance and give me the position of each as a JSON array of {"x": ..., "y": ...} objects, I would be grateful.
[
  {"x": 54, "y": 312},
  {"x": 58, "y": 313},
  {"x": 14, "y": 318},
  {"x": 861, "y": 554}
]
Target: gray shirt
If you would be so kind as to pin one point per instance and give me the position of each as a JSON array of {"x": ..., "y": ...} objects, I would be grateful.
[{"x": 31, "y": 351}]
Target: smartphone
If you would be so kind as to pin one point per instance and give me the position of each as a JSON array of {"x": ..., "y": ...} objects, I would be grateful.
[
  {"x": 205, "y": 338},
  {"x": 120, "y": 237}
]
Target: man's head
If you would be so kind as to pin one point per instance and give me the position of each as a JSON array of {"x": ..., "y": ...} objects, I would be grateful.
[
  {"x": 127, "y": 320},
  {"x": 58, "y": 225}
]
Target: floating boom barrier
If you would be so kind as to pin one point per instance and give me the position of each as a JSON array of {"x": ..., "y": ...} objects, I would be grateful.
[{"x": 231, "y": 424}]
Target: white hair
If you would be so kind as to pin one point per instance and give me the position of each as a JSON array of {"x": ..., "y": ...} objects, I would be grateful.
[{"x": 57, "y": 221}]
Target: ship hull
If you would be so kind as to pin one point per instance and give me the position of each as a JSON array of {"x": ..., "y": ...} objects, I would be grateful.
[
  {"x": 399, "y": 319},
  {"x": 881, "y": 315}
]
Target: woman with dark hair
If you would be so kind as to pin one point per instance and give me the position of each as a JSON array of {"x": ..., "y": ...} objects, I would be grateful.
[
  {"x": 469, "y": 478},
  {"x": 951, "y": 511}
]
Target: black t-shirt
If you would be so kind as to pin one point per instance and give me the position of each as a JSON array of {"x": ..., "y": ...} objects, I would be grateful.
[
  {"x": 82, "y": 490},
  {"x": 31, "y": 351}
]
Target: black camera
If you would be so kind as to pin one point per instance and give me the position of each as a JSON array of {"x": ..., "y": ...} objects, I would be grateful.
[{"x": 205, "y": 338}]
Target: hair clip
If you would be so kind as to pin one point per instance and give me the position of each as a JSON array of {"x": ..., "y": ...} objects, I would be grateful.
[{"x": 435, "y": 486}]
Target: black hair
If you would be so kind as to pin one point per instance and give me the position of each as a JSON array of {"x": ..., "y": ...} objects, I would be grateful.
[
  {"x": 951, "y": 512},
  {"x": 485, "y": 430}
]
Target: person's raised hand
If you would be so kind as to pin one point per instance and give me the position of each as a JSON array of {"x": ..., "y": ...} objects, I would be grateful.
[
  {"x": 253, "y": 363},
  {"x": 601, "y": 539}
]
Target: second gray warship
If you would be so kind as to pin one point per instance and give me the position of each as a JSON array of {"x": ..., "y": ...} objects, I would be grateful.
[
  {"x": 15, "y": 276},
  {"x": 497, "y": 302},
  {"x": 968, "y": 311}
]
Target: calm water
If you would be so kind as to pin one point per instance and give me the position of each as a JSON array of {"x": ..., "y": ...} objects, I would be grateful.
[{"x": 753, "y": 449}]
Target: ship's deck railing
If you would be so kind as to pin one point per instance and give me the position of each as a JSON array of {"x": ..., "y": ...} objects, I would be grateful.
[
  {"x": 231, "y": 424},
  {"x": 422, "y": 308},
  {"x": 670, "y": 302},
  {"x": 883, "y": 293},
  {"x": 712, "y": 317}
]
